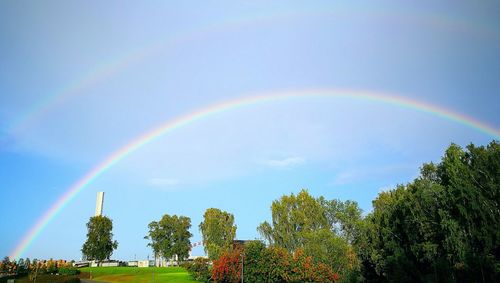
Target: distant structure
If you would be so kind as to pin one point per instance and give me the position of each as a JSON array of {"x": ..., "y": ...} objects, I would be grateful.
[{"x": 99, "y": 203}]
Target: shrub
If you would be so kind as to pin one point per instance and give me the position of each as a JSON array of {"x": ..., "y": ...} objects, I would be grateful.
[
  {"x": 305, "y": 269},
  {"x": 227, "y": 268},
  {"x": 68, "y": 271},
  {"x": 254, "y": 269},
  {"x": 276, "y": 263},
  {"x": 47, "y": 278},
  {"x": 199, "y": 269},
  {"x": 272, "y": 264},
  {"x": 57, "y": 279},
  {"x": 51, "y": 266}
]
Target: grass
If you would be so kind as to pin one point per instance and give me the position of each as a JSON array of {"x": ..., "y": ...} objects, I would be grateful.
[{"x": 138, "y": 274}]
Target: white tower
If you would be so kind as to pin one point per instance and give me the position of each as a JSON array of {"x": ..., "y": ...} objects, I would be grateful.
[{"x": 99, "y": 203}]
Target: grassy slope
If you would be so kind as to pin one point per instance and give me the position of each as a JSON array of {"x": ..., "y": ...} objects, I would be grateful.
[{"x": 136, "y": 274}]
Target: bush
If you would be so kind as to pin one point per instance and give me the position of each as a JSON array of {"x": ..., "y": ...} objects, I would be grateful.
[
  {"x": 51, "y": 266},
  {"x": 276, "y": 264},
  {"x": 227, "y": 268},
  {"x": 254, "y": 266},
  {"x": 5, "y": 279},
  {"x": 57, "y": 279},
  {"x": 199, "y": 269},
  {"x": 272, "y": 264},
  {"x": 303, "y": 269},
  {"x": 68, "y": 271},
  {"x": 42, "y": 279}
]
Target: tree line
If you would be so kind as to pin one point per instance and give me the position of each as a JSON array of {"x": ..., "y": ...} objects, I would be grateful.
[
  {"x": 441, "y": 227},
  {"x": 35, "y": 268}
]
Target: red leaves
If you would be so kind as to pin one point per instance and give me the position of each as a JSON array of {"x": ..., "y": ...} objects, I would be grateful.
[
  {"x": 227, "y": 268},
  {"x": 276, "y": 264},
  {"x": 304, "y": 269}
]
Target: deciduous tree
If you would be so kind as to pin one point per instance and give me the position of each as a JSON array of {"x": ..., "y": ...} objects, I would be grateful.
[
  {"x": 322, "y": 229},
  {"x": 100, "y": 244},
  {"x": 292, "y": 217},
  {"x": 218, "y": 231},
  {"x": 443, "y": 226},
  {"x": 170, "y": 236}
]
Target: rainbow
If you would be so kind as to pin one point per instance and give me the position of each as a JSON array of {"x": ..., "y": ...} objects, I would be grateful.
[
  {"x": 131, "y": 58},
  {"x": 120, "y": 63},
  {"x": 230, "y": 105}
]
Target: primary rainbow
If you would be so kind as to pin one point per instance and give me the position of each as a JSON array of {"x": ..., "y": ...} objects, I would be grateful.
[{"x": 184, "y": 120}]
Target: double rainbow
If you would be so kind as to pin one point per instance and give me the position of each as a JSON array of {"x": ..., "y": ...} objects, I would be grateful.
[
  {"x": 229, "y": 105},
  {"x": 126, "y": 60}
]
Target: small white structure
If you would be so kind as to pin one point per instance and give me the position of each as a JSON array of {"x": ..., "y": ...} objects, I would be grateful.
[
  {"x": 110, "y": 264},
  {"x": 143, "y": 263},
  {"x": 105, "y": 263},
  {"x": 163, "y": 262},
  {"x": 82, "y": 263},
  {"x": 99, "y": 204},
  {"x": 132, "y": 263}
]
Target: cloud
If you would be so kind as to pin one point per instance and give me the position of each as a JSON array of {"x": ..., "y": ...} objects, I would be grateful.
[
  {"x": 284, "y": 163},
  {"x": 163, "y": 182}
]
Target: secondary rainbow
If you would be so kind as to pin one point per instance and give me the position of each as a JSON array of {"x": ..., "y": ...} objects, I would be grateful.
[
  {"x": 126, "y": 60},
  {"x": 184, "y": 120}
]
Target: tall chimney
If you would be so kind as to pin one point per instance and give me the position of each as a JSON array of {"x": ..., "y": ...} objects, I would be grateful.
[{"x": 99, "y": 203}]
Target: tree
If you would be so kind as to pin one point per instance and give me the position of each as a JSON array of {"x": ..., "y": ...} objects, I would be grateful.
[
  {"x": 170, "y": 236},
  {"x": 154, "y": 236},
  {"x": 21, "y": 267},
  {"x": 344, "y": 217},
  {"x": 218, "y": 231},
  {"x": 293, "y": 217},
  {"x": 5, "y": 264},
  {"x": 254, "y": 263},
  {"x": 99, "y": 245},
  {"x": 27, "y": 263},
  {"x": 442, "y": 227},
  {"x": 321, "y": 229}
]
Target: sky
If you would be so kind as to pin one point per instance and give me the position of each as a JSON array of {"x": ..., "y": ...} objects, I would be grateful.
[{"x": 79, "y": 80}]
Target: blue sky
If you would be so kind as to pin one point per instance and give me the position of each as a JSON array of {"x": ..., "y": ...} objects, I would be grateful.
[{"x": 202, "y": 53}]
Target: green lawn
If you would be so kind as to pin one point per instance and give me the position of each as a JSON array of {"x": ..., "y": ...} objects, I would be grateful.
[{"x": 136, "y": 274}]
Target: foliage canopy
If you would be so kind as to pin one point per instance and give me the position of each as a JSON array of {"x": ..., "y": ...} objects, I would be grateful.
[
  {"x": 170, "y": 236},
  {"x": 218, "y": 231},
  {"x": 444, "y": 226},
  {"x": 100, "y": 244}
]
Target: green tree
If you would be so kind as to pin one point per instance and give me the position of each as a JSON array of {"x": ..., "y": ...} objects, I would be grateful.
[
  {"x": 154, "y": 236},
  {"x": 292, "y": 217},
  {"x": 218, "y": 231},
  {"x": 170, "y": 236},
  {"x": 21, "y": 267},
  {"x": 322, "y": 229},
  {"x": 100, "y": 244},
  {"x": 442, "y": 227},
  {"x": 27, "y": 263},
  {"x": 344, "y": 217},
  {"x": 254, "y": 262},
  {"x": 328, "y": 248}
]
